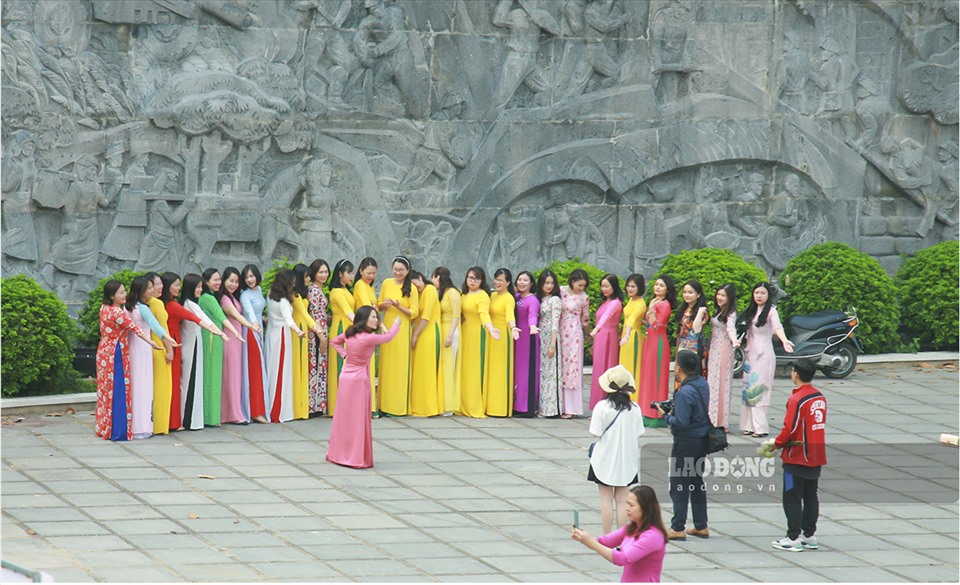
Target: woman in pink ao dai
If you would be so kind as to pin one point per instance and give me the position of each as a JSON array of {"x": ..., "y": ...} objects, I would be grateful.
[{"x": 351, "y": 435}]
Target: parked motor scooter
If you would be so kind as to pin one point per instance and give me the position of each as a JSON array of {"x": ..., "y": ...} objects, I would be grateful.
[{"x": 826, "y": 337}]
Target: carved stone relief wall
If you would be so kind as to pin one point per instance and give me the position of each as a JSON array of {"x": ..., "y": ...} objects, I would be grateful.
[{"x": 184, "y": 134}]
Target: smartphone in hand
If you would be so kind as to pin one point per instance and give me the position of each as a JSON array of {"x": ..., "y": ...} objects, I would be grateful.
[{"x": 576, "y": 519}]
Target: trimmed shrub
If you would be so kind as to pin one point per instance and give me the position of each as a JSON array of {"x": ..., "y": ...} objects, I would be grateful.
[
  {"x": 89, "y": 314},
  {"x": 36, "y": 338},
  {"x": 834, "y": 276},
  {"x": 928, "y": 294},
  {"x": 712, "y": 267}
]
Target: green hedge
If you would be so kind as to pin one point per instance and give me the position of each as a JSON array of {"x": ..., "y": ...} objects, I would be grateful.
[
  {"x": 928, "y": 295},
  {"x": 712, "y": 267},
  {"x": 835, "y": 276},
  {"x": 89, "y": 314},
  {"x": 270, "y": 275},
  {"x": 37, "y": 340}
]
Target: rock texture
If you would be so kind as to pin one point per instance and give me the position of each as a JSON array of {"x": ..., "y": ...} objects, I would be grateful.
[{"x": 184, "y": 134}]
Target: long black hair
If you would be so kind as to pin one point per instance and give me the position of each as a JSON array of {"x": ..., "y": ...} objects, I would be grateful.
[
  {"x": 751, "y": 311},
  {"x": 638, "y": 280},
  {"x": 282, "y": 287},
  {"x": 671, "y": 296},
  {"x": 614, "y": 281},
  {"x": 167, "y": 278},
  {"x": 547, "y": 273},
  {"x": 578, "y": 274},
  {"x": 342, "y": 266},
  {"x": 405, "y": 287},
  {"x": 508, "y": 276},
  {"x": 249, "y": 269},
  {"x": 137, "y": 288},
  {"x": 360, "y": 321},
  {"x": 189, "y": 286},
  {"x": 442, "y": 273},
  {"x": 299, "y": 286},
  {"x": 701, "y": 302},
  {"x": 227, "y": 273},
  {"x": 207, "y": 275},
  {"x": 731, "y": 306},
  {"x": 479, "y": 274}
]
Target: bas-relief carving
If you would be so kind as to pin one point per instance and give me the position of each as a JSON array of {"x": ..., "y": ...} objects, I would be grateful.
[{"x": 186, "y": 134}]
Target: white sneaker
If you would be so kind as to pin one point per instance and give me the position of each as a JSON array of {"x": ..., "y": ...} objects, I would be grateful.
[
  {"x": 809, "y": 543},
  {"x": 787, "y": 544}
]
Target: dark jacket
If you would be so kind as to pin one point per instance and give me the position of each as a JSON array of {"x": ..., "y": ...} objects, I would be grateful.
[{"x": 690, "y": 419}]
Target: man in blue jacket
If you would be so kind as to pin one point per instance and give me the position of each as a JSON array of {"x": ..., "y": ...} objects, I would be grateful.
[{"x": 689, "y": 424}]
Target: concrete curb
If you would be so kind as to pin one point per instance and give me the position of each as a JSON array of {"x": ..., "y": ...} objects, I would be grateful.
[{"x": 88, "y": 400}]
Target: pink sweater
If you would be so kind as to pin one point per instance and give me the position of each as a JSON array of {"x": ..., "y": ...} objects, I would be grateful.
[{"x": 640, "y": 555}]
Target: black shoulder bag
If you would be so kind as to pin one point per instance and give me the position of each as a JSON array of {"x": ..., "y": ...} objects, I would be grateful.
[
  {"x": 593, "y": 444},
  {"x": 716, "y": 437}
]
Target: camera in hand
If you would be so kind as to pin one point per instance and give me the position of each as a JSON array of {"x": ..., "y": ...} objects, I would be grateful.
[{"x": 665, "y": 405}]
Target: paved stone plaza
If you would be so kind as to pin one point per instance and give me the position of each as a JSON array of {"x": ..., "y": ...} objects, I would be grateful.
[{"x": 450, "y": 499}]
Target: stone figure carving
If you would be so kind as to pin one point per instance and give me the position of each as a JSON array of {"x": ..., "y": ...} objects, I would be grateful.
[
  {"x": 382, "y": 46},
  {"x": 948, "y": 188},
  {"x": 316, "y": 212},
  {"x": 324, "y": 61},
  {"x": 835, "y": 78},
  {"x": 425, "y": 241},
  {"x": 586, "y": 53},
  {"x": 711, "y": 225},
  {"x": 591, "y": 247},
  {"x": 130, "y": 217},
  {"x": 747, "y": 211},
  {"x": 76, "y": 251},
  {"x": 910, "y": 169},
  {"x": 19, "y": 177},
  {"x": 793, "y": 75},
  {"x": 525, "y": 21},
  {"x": 874, "y": 114},
  {"x": 446, "y": 146},
  {"x": 932, "y": 84},
  {"x": 793, "y": 225},
  {"x": 163, "y": 244},
  {"x": 559, "y": 241},
  {"x": 671, "y": 41}
]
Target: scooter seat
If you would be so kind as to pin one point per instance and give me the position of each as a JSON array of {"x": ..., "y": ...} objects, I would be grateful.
[{"x": 816, "y": 320}]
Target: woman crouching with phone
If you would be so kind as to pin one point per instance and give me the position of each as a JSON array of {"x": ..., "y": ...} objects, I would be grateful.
[{"x": 639, "y": 546}]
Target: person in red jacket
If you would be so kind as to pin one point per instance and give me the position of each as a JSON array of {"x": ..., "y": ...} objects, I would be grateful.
[{"x": 803, "y": 440}]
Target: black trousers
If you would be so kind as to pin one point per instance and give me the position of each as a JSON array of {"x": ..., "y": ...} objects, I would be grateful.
[
  {"x": 686, "y": 482},
  {"x": 801, "y": 504}
]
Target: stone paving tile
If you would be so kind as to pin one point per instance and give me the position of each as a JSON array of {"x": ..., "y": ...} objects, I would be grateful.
[
  {"x": 512, "y": 469},
  {"x": 89, "y": 543},
  {"x": 31, "y": 515},
  {"x": 145, "y": 574},
  {"x": 116, "y": 558},
  {"x": 372, "y": 567},
  {"x": 73, "y": 528}
]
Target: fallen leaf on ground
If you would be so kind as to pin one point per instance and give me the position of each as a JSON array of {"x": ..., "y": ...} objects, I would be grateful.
[
  {"x": 55, "y": 414},
  {"x": 31, "y": 532},
  {"x": 192, "y": 516},
  {"x": 925, "y": 365},
  {"x": 206, "y": 477},
  {"x": 71, "y": 411}
]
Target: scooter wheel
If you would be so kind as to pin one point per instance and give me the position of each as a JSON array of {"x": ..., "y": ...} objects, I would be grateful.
[
  {"x": 738, "y": 360},
  {"x": 848, "y": 357}
]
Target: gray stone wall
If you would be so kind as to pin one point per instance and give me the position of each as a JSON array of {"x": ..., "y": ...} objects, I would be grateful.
[{"x": 184, "y": 134}]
